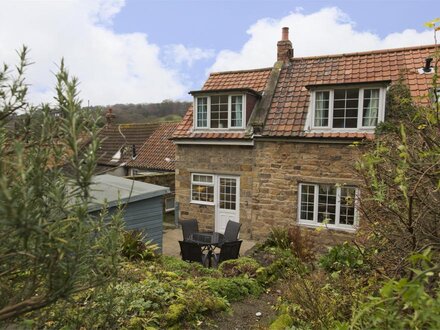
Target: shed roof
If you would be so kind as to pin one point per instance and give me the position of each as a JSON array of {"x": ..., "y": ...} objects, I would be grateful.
[{"x": 113, "y": 190}]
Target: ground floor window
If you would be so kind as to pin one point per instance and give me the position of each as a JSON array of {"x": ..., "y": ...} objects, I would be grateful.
[
  {"x": 202, "y": 188},
  {"x": 332, "y": 205},
  {"x": 169, "y": 204}
]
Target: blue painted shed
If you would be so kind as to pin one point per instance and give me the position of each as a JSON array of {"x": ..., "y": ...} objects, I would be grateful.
[{"x": 144, "y": 207}]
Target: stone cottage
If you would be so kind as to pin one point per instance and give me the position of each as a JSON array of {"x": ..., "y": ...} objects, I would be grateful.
[{"x": 270, "y": 147}]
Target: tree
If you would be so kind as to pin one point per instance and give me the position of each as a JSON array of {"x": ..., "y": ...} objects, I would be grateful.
[
  {"x": 50, "y": 246},
  {"x": 401, "y": 174}
]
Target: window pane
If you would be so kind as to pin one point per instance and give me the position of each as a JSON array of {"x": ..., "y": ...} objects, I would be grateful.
[
  {"x": 202, "y": 193},
  {"x": 347, "y": 210},
  {"x": 327, "y": 204},
  {"x": 370, "y": 107},
  {"x": 236, "y": 111},
  {"x": 219, "y": 111},
  {"x": 228, "y": 193},
  {"x": 202, "y": 112},
  {"x": 321, "y": 108},
  {"x": 202, "y": 178},
  {"x": 307, "y": 194},
  {"x": 345, "y": 108}
]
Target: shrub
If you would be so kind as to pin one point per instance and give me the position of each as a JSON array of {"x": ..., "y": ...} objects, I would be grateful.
[
  {"x": 234, "y": 289},
  {"x": 342, "y": 256},
  {"x": 134, "y": 247},
  {"x": 408, "y": 303},
  {"x": 278, "y": 237},
  {"x": 284, "y": 265},
  {"x": 303, "y": 246},
  {"x": 241, "y": 266}
]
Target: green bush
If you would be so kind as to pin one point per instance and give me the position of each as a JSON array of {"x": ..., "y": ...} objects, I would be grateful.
[
  {"x": 278, "y": 237},
  {"x": 284, "y": 265},
  {"x": 342, "y": 256},
  {"x": 241, "y": 266},
  {"x": 408, "y": 303},
  {"x": 135, "y": 248},
  {"x": 234, "y": 289}
]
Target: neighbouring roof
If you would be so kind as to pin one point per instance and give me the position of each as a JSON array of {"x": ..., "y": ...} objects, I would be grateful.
[
  {"x": 114, "y": 190},
  {"x": 156, "y": 149},
  {"x": 289, "y": 106},
  {"x": 288, "y": 111},
  {"x": 255, "y": 80},
  {"x": 115, "y": 138}
]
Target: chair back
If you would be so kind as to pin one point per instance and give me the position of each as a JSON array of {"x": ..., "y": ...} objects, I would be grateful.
[
  {"x": 191, "y": 252},
  {"x": 189, "y": 227},
  {"x": 231, "y": 231},
  {"x": 229, "y": 250}
]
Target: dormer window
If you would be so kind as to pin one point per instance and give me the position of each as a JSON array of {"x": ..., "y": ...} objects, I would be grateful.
[
  {"x": 347, "y": 108},
  {"x": 220, "y": 111}
]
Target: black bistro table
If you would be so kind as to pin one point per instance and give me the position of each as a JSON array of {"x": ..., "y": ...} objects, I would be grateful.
[{"x": 208, "y": 241}]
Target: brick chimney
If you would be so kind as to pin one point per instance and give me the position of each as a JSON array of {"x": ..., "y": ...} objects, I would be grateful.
[
  {"x": 109, "y": 116},
  {"x": 284, "y": 47}
]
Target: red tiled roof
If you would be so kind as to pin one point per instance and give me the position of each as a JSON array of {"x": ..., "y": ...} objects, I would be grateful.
[
  {"x": 288, "y": 111},
  {"x": 115, "y": 137},
  {"x": 156, "y": 149},
  {"x": 253, "y": 79},
  {"x": 246, "y": 79}
]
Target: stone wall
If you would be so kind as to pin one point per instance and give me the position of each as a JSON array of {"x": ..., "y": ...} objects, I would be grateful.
[
  {"x": 210, "y": 159},
  {"x": 281, "y": 166},
  {"x": 269, "y": 176},
  {"x": 165, "y": 179}
]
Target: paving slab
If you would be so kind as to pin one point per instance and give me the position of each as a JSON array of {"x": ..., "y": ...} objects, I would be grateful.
[{"x": 171, "y": 238}]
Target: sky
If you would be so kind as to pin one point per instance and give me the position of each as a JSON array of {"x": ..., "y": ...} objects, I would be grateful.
[{"x": 143, "y": 51}]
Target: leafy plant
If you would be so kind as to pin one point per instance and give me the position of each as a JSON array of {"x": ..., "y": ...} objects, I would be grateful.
[
  {"x": 408, "y": 303},
  {"x": 342, "y": 256},
  {"x": 134, "y": 246},
  {"x": 50, "y": 246},
  {"x": 241, "y": 266}
]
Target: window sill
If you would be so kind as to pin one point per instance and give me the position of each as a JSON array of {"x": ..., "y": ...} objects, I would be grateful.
[
  {"x": 202, "y": 203},
  {"x": 332, "y": 227}
]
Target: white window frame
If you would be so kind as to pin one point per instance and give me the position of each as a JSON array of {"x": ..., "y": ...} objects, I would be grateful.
[
  {"x": 207, "y": 184},
  {"x": 330, "y": 128},
  {"x": 336, "y": 225},
  {"x": 196, "y": 112},
  {"x": 174, "y": 203},
  {"x": 208, "y": 127}
]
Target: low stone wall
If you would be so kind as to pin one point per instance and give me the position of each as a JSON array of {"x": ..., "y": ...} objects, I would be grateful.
[{"x": 165, "y": 179}]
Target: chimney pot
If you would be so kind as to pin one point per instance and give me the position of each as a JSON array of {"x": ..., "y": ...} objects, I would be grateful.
[
  {"x": 285, "y": 34},
  {"x": 284, "y": 47}
]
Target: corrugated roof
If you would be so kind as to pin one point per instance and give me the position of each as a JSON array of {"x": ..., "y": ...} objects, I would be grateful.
[{"x": 156, "y": 149}]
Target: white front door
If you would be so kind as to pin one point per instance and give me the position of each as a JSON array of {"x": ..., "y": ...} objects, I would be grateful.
[{"x": 227, "y": 206}]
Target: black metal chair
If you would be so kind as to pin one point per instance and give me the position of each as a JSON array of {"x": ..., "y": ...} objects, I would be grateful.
[
  {"x": 228, "y": 250},
  {"x": 231, "y": 231},
  {"x": 189, "y": 227},
  {"x": 192, "y": 252}
]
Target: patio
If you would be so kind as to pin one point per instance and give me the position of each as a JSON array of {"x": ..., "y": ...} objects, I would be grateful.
[{"x": 172, "y": 236}]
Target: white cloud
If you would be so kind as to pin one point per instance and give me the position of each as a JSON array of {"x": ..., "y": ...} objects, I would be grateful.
[
  {"x": 112, "y": 68},
  {"x": 179, "y": 54},
  {"x": 328, "y": 31}
]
